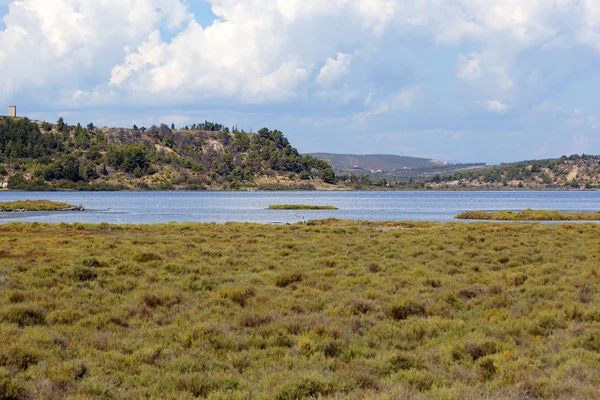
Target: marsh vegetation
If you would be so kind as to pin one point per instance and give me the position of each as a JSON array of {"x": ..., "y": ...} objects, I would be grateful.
[
  {"x": 530, "y": 215},
  {"x": 36, "y": 205},
  {"x": 328, "y": 309}
]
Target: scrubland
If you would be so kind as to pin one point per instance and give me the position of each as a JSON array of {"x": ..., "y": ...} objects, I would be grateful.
[{"x": 330, "y": 309}]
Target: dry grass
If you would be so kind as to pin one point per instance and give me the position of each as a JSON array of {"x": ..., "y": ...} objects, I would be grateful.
[{"x": 334, "y": 309}]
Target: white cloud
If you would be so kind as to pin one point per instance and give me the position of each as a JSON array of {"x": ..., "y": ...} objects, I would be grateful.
[
  {"x": 64, "y": 45},
  {"x": 402, "y": 101},
  {"x": 334, "y": 69},
  {"x": 81, "y": 53},
  {"x": 495, "y": 106}
]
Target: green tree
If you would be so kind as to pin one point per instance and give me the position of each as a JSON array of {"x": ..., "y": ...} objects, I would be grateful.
[
  {"x": 60, "y": 125},
  {"x": 328, "y": 175}
]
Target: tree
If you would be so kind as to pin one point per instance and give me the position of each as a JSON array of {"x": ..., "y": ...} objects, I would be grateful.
[
  {"x": 60, "y": 125},
  {"x": 90, "y": 126},
  {"x": 328, "y": 175},
  {"x": 305, "y": 175},
  {"x": 173, "y": 126},
  {"x": 135, "y": 128}
]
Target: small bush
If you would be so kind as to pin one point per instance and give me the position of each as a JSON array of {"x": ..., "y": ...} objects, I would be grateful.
[
  {"x": 330, "y": 348},
  {"x": 237, "y": 294},
  {"x": 287, "y": 278},
  {"x": 408, "y": 309},
  {"x": 64, "y": 317},
  {"x": 359, "y": 306},
  {"x": 16, "y": 297},
  {"x": 146, "y": 257},
  {"x": 23, "y": 315},
  {"x": 404, "y": 361},
  {"x": 18, "y": 357},
  {"x": 304, "y": 388},
  {"x": 486, "y": 369},
  {"x": 546, "y": 323},
  {"x": 84, "y": 274},
  {"x": 591, "y": 342},
  {"x": 152, "y": 300},
  {"x": 374, "y": 267},
  {"x": 254, "y": 321},
  {"x": 93, "y": 263},
  {"x": 10, "y": 388},
  {"x": 586, "y": 294},
  {"x": 520, "y": 279},
  {"x": 480, "y": 350}
]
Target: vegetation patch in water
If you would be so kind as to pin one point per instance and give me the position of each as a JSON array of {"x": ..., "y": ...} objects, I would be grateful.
[
  {"x": 530, "y": 215},
  {"x": 37, "y": 205},
  {"x": 300, "y": 207}
]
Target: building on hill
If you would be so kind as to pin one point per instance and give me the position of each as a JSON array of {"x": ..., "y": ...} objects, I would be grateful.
[{"x": 12, "y": 111}]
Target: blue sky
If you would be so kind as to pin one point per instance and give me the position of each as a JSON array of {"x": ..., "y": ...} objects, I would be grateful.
[{"x": 462, "y": 80}]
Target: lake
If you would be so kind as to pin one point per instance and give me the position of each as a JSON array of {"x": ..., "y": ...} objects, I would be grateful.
[{"x": 221, "y": 207}]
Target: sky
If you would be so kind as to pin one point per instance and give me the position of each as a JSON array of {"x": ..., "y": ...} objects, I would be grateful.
[{"x": 456, "y": 80}]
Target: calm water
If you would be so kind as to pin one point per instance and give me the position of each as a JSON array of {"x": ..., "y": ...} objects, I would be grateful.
[{"x": 160, "y": 207}]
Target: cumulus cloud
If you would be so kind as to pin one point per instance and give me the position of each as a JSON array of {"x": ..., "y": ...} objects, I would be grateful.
[
  {"x": 71, "y": 44},
  {"x": 334, "y": 69},
  {"x": 273, "y": 51},
  {"x": 365, "y": 58}
]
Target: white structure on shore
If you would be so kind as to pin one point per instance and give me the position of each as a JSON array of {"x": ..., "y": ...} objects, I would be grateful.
[{"x": 12, "y": 111}]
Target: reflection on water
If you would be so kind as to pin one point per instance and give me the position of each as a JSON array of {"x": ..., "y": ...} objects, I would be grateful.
[{"x": 221, "y": 207}]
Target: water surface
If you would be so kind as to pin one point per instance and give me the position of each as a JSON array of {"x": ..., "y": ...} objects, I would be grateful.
[{"x": 221, "y": 207}]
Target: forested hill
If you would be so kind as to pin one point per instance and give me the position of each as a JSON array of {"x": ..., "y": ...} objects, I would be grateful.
[
  {"x": 574, "y": 172},
  {"x": 44, "y": 156}
]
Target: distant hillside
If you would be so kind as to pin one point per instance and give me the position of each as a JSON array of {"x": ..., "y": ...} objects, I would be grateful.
[
  {"x": 376, "y": 162},
  {"x": 574, "y": 172},
  {"x": 43, "y": 156}
]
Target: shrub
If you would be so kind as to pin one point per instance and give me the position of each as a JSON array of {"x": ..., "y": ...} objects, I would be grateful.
[
  {"x": 237, "y": 294},
  {"x": 404, "y": 361},
  {"x": 16, "y": 297},
  {"x": 146, "y": 257},
  {"x": 408, "y": 309},
  {"x": 330, "y": 348},
  {"x": 592, "y": 342},
  {"x": 93, "y": 263},
  {"x": 486, "y": 369},
  {"x": 10, "y": 388},
  {"x": 152, "y": 300},
  {"x": 84, "y": 274},
  {"x": 23, "y": 315},
  {"x": 287, "y": 278},
  {"x": 480, "y": 350},
  {"x": 302, "y": 388},
  {"x": 18, "y": 357}
]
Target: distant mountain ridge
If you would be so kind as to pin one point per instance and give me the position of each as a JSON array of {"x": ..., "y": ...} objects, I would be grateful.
[{"x": 377, "y": 162}]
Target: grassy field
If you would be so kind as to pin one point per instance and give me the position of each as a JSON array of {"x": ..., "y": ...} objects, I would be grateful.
[
  {"x": 530, "y": 215},
  {"x": 334, "y": 310},
  {"x": 35, "y": 205},
  {"x": 300, "y": 207}
]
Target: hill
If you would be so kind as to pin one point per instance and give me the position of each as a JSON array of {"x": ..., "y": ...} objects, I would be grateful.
[
  {"x": 574, "y": 172},
  {"x": 391, "y": 167},
  {"x": 43, "y": 156},
  {"x": 376, "y": 162}
]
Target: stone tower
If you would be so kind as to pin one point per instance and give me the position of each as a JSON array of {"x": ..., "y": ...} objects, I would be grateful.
[{"x": 12, "y": 111}]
